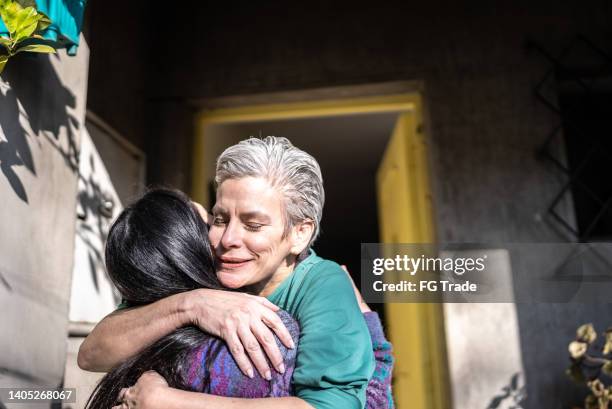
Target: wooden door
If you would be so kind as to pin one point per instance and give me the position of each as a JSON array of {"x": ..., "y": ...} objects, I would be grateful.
[{"x": 420, "y": 379}]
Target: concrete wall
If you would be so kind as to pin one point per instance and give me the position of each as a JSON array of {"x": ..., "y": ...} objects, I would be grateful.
[
  {"x": 42, "y": 110},
  {"x": 124, "y": 77},
  {"x": 120, "y": 46}
]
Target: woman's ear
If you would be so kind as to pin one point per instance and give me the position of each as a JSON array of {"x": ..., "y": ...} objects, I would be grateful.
[{"x": 301, "y": 235}]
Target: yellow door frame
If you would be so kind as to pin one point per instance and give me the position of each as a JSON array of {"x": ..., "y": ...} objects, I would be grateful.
[
  {"x": 410, "y": 325},
  {"x": 295, "y": 110}
]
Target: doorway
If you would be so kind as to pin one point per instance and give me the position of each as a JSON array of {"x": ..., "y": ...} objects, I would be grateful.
[{"x": 373, "y": 156}]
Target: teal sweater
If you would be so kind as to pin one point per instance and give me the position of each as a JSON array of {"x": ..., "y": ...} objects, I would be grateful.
[{"x": 335, "y": 359}]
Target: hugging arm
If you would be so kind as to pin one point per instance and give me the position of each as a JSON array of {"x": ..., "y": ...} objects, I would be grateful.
[
  {"x": 214, "y": 381},
  {"x": 378, "y": 394},
  {"x": 191, "y": 400},
  {"x": 152, "y": 392},
  {"x": 127, "y": 331},
  {"x": 244, "y": 321}
]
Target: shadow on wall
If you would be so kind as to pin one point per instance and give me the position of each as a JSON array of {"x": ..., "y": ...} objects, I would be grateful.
[
  {"x": 33, "y": 101},
  {"x": 95, "y": 212}
]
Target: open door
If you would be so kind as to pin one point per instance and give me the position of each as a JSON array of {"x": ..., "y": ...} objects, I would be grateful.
[
  {"x": 404, "y": 203},
  {"x": 420, "y": 380}
]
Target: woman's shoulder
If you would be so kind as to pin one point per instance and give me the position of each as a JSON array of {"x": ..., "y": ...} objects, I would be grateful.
[
  {"x": 325, "y": 286},
  {"x": 315, "y": 268},
  {"x": 315, "y": 283},
  {"x": 327, "y": 274}
]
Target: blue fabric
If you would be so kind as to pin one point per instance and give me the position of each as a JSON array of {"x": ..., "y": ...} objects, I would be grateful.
[{"x": 66, "y": 21}]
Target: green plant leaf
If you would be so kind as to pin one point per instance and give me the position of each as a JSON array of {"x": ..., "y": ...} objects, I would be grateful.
[
  {"x": 7, "y": 42},
  {"x": 23, "y": 22},
  {"x": 36, "y": 48},
  {"x": 27, "y": 21},
  {"x": 43, "y": 23},
  {"x": 9, "y": 12},
  {"x": 3, "y": 61},
  {"x": 586, "y": 333}
]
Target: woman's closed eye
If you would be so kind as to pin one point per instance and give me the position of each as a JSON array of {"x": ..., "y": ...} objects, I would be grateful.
[
  {"x": 249, "y": 226},
  {"x": 218, "y": 221},
  {"x": 253, "y": 226}
]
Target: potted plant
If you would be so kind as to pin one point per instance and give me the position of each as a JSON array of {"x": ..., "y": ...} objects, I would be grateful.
[{"x": 591, "y": 364}]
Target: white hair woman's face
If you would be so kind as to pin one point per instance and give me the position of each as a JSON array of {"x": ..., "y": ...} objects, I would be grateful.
[{"x": 247, "y": 234}]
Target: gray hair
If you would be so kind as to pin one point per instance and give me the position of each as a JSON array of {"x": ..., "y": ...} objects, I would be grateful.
[{"x": 295, "y": 173}]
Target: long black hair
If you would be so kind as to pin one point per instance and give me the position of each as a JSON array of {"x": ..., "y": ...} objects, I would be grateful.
[{"x": 156, "y": 248}]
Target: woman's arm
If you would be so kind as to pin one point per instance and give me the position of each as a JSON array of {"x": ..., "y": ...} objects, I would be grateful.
[
  {"x": 152, "y": 392},
  {"x": 378, "y": 394},
  {"x": 179, "y": 399},
  {"x": 243, "y": 321},
  {"x": 125, "y": 332}
]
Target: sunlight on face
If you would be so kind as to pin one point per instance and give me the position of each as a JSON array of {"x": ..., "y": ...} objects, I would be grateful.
[{"x": 247, "y": 235}]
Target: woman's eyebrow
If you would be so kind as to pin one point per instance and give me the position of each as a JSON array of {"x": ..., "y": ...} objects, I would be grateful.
[
  {"x": 255, "y": 214},
  {"x": 218, "y": 210}
]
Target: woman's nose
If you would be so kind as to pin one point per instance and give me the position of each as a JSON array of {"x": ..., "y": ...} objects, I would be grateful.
[{"x": 232, "y": 236}]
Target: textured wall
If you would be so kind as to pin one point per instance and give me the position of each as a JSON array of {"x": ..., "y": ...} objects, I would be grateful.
[{"x": 42, "y": 106}]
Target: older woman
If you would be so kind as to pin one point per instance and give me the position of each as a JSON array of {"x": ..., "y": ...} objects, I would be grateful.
[{"x": 266, "y": 217}]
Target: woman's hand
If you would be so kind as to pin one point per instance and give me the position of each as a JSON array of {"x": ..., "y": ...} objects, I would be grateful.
[
  {"x": 145, "y": 394},
  {"x": 246, "y": 323}
]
